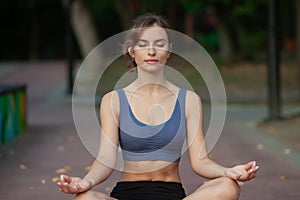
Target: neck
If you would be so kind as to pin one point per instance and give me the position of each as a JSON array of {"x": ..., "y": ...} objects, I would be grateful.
[{"x": 151, "y": 81}]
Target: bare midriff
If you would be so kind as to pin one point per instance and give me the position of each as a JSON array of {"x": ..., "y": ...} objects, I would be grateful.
[{"x": 151, "y": 171}]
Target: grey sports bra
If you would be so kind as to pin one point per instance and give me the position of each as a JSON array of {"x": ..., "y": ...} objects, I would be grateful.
[{"x": 140, "y": 142}]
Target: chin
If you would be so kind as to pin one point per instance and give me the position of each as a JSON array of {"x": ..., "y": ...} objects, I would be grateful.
[{"x": 151, "y": 67}]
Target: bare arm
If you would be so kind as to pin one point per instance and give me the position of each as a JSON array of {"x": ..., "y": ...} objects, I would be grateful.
[
  {"x": 200, "y": 161},
  {"x": 103, "y": 165}
]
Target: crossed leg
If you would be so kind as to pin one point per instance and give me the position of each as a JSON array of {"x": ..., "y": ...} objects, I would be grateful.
[
  {"x": 93, "y": 195},
  {"x": 220, "y": 188}
]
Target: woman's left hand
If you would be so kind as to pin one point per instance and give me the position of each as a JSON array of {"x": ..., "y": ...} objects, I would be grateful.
[{"x": 242, "y": 172}]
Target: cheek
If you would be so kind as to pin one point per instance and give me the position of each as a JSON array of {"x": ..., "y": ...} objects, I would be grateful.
[
  {"x": 138, "y": 57},
  {"x": 164, "y": 55}
]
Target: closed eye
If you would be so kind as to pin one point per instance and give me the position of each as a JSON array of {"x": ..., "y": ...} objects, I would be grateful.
[
  {"x": 142, "y": 45},
  {"x": 160, "y": 45}
]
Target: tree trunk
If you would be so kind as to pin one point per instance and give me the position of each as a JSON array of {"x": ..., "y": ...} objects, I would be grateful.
[
  {"x": 83, "y": 27},
  {"x": 87, "y": 39},
  {"x": 226, "y": 50},
  {"x": 126, "y": 10},
  {"x": 298, "y": 40},
  {"x": 172, "y": 15},
  {"x": 189, "y": 24},
  {"x": 34, "y": 38}
]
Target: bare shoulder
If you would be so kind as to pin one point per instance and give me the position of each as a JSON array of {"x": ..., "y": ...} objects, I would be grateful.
[
  {"x": 193, "y": 102},
  {"x": 110, "y": 96},
  {"x": 110, "y": 101},
  {"x": 192, "y": 97}
]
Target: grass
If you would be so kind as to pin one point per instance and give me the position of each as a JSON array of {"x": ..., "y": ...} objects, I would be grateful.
[{"x": 246, "y": 76}]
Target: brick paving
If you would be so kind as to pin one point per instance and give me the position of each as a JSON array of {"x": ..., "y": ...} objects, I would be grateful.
[{"x": 29, "y": 162}]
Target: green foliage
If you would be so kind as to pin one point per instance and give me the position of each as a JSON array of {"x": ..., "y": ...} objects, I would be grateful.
[
  {"x": 251, "y": 42},
  {"x": 245, "y": 20},
  {"x": 192, "y": 6},
  {"x": 208, "y": 41},
  {"x": 105, "y": 18},
  {"x": 156, "y": 6}
]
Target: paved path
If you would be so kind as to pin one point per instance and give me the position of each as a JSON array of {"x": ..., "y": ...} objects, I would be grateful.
[{"x": 29, "y": 162}]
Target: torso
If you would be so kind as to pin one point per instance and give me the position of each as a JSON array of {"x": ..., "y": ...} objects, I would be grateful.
[{"x": 154, "y": 170}]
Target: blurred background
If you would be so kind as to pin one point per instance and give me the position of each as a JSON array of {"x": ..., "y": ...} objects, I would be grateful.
[
  {"x": 230, "y": 30},
  {"x": 235, "y": 34}
]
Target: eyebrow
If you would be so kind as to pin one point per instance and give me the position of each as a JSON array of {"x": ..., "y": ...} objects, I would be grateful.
[{"x": 159, "y": 40}]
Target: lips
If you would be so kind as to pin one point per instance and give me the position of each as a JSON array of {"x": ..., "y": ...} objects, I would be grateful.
[{"x": 151, "y": 61}]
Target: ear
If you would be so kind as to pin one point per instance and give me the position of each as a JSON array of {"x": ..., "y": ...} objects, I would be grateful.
[
  {"x": 170, "y": 49},
  {"x": 131, "y": 52}
]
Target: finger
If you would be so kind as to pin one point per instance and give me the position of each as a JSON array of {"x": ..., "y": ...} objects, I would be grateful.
[
  {"x": 66, "y": 178},
  {"x": 253, "y": 164},
  {"x": 59, "y": 184},
  {"x": 78, "y": 187},
  {"x": 239, "y": 177},
  {"x": 246, "y": 176},
  {"x": 250, "y": 174},
  {"x": 68, "y": 189},
  {"x": 249, "y": 165},
  {"x": 62, "y": 185},
  {"x": 253, "y": 171},
  {"x": 253, "y": 175},
  {"x": 62, "y": 178}
]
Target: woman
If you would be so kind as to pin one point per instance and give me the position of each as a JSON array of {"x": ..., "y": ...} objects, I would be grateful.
[{"x": 150, "y": 119}]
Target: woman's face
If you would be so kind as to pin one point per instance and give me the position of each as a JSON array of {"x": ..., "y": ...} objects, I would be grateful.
[{"x": 152, "y": 48}]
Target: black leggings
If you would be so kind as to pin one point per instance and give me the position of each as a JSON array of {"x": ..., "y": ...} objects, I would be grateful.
[{"x": 148, "y": 190}]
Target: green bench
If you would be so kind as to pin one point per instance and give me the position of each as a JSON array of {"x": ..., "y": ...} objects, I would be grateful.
[{"x": 13, "y": 109}]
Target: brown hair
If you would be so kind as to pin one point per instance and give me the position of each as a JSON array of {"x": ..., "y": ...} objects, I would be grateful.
[{"x": 143, "y": 21}]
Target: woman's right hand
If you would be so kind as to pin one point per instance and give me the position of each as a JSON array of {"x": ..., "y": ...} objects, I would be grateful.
[{"x": 73, "y": 185}]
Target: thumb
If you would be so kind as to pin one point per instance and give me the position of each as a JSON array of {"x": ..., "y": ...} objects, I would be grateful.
[
  {"x": 249, "y": 165},
  {"x": 66, "y": 178}
]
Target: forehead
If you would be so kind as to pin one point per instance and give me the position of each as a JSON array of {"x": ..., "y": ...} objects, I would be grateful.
[{"x": 153, "y": 33}]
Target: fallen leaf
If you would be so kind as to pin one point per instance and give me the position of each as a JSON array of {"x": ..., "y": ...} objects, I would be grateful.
[
  {"x": 43, "y": 181},
  {"x": 64, "y": 170},
  {"x": 260, "y": 146},
  {"x": 60, "y": 148},
  {"x": 23, "y": 167},
  {"x": 287, "y": 151},
  {"x": 283, "y": 178},
  {"x": 55, "y": 179}
]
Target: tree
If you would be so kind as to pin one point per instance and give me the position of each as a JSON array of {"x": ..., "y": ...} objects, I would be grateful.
[
  {"x": 83, "y": 27},
  {"x": 126, "y": 10},
  {"x": 35, "y": 30},
  {"x": 87, "y": 38},
  {"x": 191, "y": 7},
  {"x": 298, "y": 38}
]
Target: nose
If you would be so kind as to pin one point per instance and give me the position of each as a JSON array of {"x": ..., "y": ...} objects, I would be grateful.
[{"x": 151, "y": 51}]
